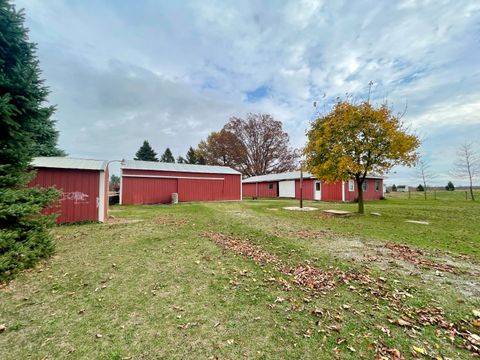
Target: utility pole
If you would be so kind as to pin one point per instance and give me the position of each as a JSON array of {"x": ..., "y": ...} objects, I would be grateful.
[{"x": 301, "y": 185}]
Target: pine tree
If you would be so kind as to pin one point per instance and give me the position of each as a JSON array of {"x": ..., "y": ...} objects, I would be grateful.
[
  {"x": 167, "y": 156},
  {"x": 146, "y": 153},
  {"x": 201, "y": 160},
  {"x": 191, "y": 156},
  {"x": 26, "y": 130},
  {"x": 420, "y": 188},
  {"x": 181, "y": 160},
  {"x": 394, "y": 188}
]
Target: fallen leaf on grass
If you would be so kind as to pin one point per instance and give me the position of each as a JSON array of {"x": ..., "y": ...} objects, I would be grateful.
[
  {"x": 384, "y": 330},
  {"x": 476, "y": 313},
  {"x": 400, "y": 322},
  {"x": 2, "y": 328},
  {"x": 419, "y": 350}
]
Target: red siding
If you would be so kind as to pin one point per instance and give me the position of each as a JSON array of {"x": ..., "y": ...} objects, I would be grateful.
[
  {"x": 249, "y": 190},
  {"x": 80, "y": 190},
  {"x": 189, "y": 186},
  {"x": 370, "y": 194},
  {"x": 261, "y": 189},
  {"x": 332, "y": 191},
  {"x": 308, "y": 189}
]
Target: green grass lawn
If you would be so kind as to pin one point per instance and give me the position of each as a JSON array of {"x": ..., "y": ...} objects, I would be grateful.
[{"x": 153, "y": 284}]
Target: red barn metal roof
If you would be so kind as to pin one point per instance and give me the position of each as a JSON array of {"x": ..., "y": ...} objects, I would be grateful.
[
  {"x": 58, "y": 162},
  {"x": 293, "y": 175},
  {"x": 163, "y": 166}
]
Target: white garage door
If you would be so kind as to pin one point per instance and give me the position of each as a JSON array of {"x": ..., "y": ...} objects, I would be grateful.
[{"x": 286, "y": 188}]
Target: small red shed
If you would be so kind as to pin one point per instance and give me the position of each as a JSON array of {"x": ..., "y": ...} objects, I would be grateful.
[
  {"x": 287, "y": 185},
  {"x": 83, "y": 183},
  {"x": 150, "y": 182}
]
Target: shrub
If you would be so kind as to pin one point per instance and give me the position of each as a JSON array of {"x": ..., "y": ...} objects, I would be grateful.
[{"x": 450, "y": 186}]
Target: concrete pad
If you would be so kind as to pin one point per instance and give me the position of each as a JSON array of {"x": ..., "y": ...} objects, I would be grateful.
[
  {"x": 338, "y": 212},
  {"x": 298, "y": 208},
  {"x": 418, "y": 222}
]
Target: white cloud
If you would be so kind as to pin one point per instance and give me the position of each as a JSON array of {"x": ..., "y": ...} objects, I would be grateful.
[{"x": 173, "y": 71}]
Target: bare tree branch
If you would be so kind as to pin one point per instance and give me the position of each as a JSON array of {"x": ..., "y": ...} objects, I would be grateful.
[{"x": 467, "y": 165}]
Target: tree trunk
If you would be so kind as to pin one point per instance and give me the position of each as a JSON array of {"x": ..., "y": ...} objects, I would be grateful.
[
  {"x": 471, "y": 190},
  {"x": 361, "y": 208}
]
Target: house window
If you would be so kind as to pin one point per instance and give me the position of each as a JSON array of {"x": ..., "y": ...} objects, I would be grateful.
[
  {"x": 364, "y": 185},
  {"x": 270, "y": 186},
  {"x": 317, "y": 186},
  {"x": 351, "y": 185},
  {"x": 377, "y": 185}
]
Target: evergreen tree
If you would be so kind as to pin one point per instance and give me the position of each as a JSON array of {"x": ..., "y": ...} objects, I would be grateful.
[
  {"x": 420, "y": 188},
  {"x": 146, "y": 153},
  {"x": 450, "y": 186},
  {"x": 181, "y": 160},
  {"x": 201, "y": 160},
  {"x": 191, "y": 156},
  {"x": 394, "y": 188},
  {"x": 167, "y": 156},
  {"x": 26, "y": 130}
]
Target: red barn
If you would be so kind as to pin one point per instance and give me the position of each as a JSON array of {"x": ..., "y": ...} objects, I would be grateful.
[
  {"x": 149, "y": 182},
  {"x": 287, "y": 185},
  {"x": 83, "y": 183}
]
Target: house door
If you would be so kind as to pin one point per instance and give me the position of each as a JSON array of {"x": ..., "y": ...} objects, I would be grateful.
[{"x": 317, "y": 191}]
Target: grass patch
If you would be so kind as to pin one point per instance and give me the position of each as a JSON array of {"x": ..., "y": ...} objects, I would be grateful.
[{"x": 152, "y": 285}]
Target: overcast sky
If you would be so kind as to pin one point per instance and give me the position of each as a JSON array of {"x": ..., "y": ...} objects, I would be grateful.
[{"x": 172, "y": 71}]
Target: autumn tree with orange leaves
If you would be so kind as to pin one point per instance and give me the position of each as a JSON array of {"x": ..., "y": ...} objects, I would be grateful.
[{"x": 356, "y": 140}]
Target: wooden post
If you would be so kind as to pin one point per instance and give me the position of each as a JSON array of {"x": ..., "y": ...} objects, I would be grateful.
[
  {"x": 434, "y": 194},
  {"x": 466, "y": 195},
  {"x": 301, "y": 186},
  {"x": 409, "y": 194}
]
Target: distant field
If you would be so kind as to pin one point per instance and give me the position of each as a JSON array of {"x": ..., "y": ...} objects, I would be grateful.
[
  {"x": 456, "y": 195},
  {"x": 252, "y": 280}
]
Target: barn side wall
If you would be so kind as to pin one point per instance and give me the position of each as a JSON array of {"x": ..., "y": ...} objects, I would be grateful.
[
  {"x": 370, "y": 194},
  {"x": 249, "y": 190},
  {"x": 80, "y": 192},
  {"x": 144, "y": 189},
  {"x": 261, "y": 190},
  {"x": 332, "y": 191},
  {"x": 307, "y": 189}
]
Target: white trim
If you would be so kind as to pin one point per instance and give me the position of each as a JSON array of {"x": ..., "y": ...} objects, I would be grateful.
[
  {"x": 343, "y": 191},
  {"x": 101, "y": 196},
  {"x": 351, "y": 188},
  {"x": 172, "y": 177},
  {"x": 315, "y": 182},
  {"x": 121, "y": 188}
]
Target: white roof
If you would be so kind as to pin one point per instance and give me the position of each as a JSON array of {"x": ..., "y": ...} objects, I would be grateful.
[
  {"x": 68, "y": 163},
  {"x": 163, "y": 166},
  {"x": 277, "y": 177},
  {"x": 287, "y": 176}
]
